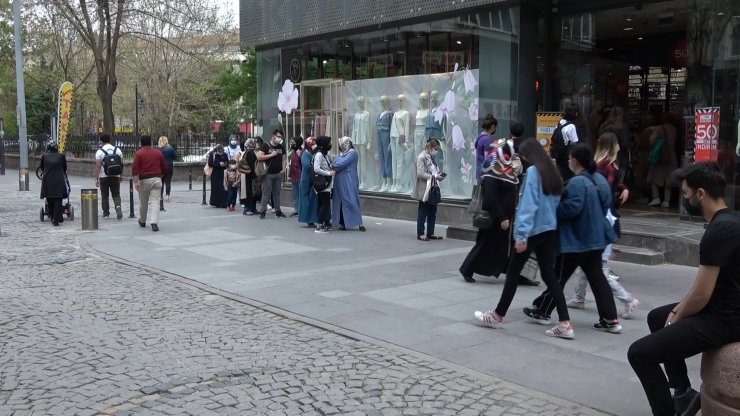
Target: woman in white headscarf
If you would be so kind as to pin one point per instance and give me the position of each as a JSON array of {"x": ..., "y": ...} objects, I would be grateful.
[
  {"x": 346, "y": 202},
  {"x": 499, "y": 178}
]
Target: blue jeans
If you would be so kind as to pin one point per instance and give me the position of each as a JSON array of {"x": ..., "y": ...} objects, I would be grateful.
[
  {"x": 233, "y": 193},
  {"x": 384, "y": 140},
  {"x": 428, "y": 213},
  {"x": 295, "y": 195}
]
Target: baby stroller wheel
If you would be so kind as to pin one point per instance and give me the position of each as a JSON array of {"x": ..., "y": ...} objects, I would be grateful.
[
  {"x": 70, "y": 212},
  {"x": 43, "y": 214}
]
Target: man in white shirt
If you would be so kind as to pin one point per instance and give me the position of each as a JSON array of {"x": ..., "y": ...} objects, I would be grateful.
[
  {"x": 108, "y": 184},
  {"x": 566, "y": 132}
]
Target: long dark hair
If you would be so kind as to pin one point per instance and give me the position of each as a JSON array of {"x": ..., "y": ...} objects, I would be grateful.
[
  {"x": 532, "y": 152},
  {"x": 583, "y": 154}
]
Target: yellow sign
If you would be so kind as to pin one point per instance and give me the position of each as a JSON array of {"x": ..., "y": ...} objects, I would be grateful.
[
  {"x": 546, "y": 124},
  {"x": 64, "y": 114}
]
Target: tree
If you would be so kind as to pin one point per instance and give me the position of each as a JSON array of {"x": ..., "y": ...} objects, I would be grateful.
[
  {"x": 99, "y": 25},
  {"x": 239, "y": 82}
]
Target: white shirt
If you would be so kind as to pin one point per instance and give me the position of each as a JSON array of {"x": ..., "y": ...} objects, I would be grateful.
[
  {"x": 570, "y": 135},
  {"x": 100, "y": 154}
]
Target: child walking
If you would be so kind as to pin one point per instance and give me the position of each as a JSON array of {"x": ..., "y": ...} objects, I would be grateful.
[{"x": 232, "y": 180}]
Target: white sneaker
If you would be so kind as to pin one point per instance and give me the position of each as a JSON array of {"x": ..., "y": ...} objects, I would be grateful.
[
  {"x": 630, "y": 308},
  {"x": 489, "y": 319},
  {"x": 665, "y": 204},
  {"x": 611, "y": 275},
  {"x": 576, "y": 304},
  {"x": 561, "y": 331},
  {"x": 654, "y": 203}
]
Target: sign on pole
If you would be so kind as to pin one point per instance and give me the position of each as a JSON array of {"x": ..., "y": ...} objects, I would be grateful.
[
  {"x": 706, "y": 134},
  {"x": 64, "y": 113},
  {"x": 546, "y": 124}
]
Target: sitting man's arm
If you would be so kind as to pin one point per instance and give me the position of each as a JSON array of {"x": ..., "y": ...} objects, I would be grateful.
[{"x": 699, "y": 295}]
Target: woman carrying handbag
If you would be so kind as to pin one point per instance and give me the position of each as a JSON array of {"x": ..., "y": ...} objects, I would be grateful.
[
  {"x": 497, "y": 195},
  {"x": 427, "y": 179}
]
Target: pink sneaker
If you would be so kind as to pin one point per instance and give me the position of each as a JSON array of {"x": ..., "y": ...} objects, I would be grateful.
[
  {"x": 561, "y": 331},
  {"x": 489, "y": 319}
]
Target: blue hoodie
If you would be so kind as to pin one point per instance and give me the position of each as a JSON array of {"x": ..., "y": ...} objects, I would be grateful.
[
  {"x": 582, "y": 214},
  {"x": 537, "y": 212}
]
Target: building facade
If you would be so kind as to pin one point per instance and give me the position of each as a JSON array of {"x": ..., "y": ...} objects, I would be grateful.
[{"x": 392, "y": 75}]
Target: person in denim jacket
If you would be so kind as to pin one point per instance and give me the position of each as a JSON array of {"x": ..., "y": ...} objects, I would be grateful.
[
  {"x": 534, "y": 230},
  {"x": 584, "y": 233}
]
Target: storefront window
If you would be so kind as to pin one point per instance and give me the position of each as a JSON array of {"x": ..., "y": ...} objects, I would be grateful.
[{"x": 399, "y": 87}]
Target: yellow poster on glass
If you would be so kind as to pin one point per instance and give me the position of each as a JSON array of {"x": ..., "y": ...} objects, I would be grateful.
[
  {"x": 64, "y": 113},
  {"x": 546, "y": 124}
]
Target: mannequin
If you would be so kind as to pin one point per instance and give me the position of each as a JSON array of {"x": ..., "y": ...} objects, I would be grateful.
[
  {"x": 361, "y": 138},
  {"x": 437, "y": 130},
  {"x": 400, "y": 141},
  {"x": 420, "y": 133},
  {"x": 383, "y": 136}
]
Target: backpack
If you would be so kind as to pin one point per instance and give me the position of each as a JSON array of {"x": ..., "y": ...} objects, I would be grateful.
[
  {"x": 559, "y": 150},
  {"x": 244, "y": 166},
  {"x": 112, "y": 163},
  {"x": 658, "y": 151},
  {"x": 319, "y": 182}
]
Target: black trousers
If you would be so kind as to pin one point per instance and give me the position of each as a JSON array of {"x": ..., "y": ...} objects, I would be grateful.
[
  {"x": 670, "y": 346},
  {"x": 544, "y": 246},
  {"x": 110, "y": 185},
  {"x": 324, "y": 208},
  {"x": 590, "y": 263},
  {"x": 166, "y": 183},
  {"x": 56, "y": 213}
]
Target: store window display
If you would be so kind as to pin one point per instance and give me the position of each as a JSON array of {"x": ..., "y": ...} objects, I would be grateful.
[
  {"x": 400, "y": 144},
  {"x": 383, "y": 131}
]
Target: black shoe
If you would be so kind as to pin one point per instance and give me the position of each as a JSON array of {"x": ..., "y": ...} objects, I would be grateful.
[
  {"x": 295, "y": 214},
  {"x": 55, "y": 223},
  {"x": 119, "y": 213},
  {"x": 262, "y": 215},
  {"x": 469, "y": 279},
  {"x": 141, "y": 224},
  {"x": 688, "y": 404},
  {"x": 161, "y": 208},
  {"x": 525, "y": 281},
  {"x": 106, "y": 215},
  {"x": 155, "y": 227},
  {"x": 535, "y": 316},
  {"x": 342, "y": 227},
  {"x": 280, "y": 214},
  {"x": 362, "y": 228},
  {"x": 310, "y": 225}
]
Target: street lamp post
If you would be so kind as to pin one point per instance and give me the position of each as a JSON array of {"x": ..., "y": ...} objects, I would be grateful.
[
  {"x": 2, "y": 146},
  {"x": 21, "y": 95},
  {"x": 136, "y": 111}
]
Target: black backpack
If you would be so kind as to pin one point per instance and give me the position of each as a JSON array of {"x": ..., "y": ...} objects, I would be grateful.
[
  {"x": 112, "y": 163},
  {"x": 558, "y": 149},
  {"x": 319, "y": 182}
]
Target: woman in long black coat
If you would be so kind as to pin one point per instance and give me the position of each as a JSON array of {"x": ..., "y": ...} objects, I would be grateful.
[
  {"x": 54, "y": 182},
  {"x": 218, "y": 160},
  {"x": 499, "y": 180}
]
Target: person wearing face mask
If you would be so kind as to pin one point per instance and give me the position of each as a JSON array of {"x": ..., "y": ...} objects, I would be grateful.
[
  {"x": 294, "y": 172},
  {"x": 499, "y": 180},
  {"x": 345, "y": 204},
  {"x": 233, "y": 150},
  {"x": 218, "y": 160},
  {"x": 708, "y": 317},
  {"x": 584, "y": 233},
  {"x": 274, "y": 154},
  {"x": 308, "y": 203},
  {"x": 426, "y": 170},
  {"x": 322, "y": 166}
]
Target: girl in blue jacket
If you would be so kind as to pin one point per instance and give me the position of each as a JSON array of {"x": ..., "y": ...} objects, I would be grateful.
[{"x": 535, "y": 225}]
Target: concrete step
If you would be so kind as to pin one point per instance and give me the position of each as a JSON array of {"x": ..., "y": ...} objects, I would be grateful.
[{"x": 636, "y": 255}]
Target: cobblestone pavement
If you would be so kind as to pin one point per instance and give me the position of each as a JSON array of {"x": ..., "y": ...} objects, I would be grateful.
[{"x": 83, "y": 335}]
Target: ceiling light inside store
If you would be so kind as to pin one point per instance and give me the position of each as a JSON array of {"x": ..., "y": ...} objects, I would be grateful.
[
  {"x": 611, "y": 49},
  {"x": 325, "y": 61},
  {"x": 459, "y": 42},
  {"x": 627, "y": 29},
  {"x": 640, "y": 38},
  {"x": 720, "y": 14}
]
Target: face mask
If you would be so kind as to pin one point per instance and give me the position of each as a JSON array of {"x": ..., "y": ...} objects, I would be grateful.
[
  {"x": 233, "y": 144},
  {"x": 434, "y": 152},
  {"x": 570, "y": 165},
  {"x": 278, "y": 140},
  {"x": 693, "y": 210}
]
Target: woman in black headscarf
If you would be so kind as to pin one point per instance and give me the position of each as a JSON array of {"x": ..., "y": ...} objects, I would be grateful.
[
  {"x": 218, "y": 160},
  {"x": 54, "y": 182},
  {"x": 499, "y": 179}
]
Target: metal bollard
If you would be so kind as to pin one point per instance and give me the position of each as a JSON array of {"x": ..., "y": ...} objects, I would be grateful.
[
  {"x": 190, "y": 179},
  {"x": 204, "y": 190},
  {"x": 131, "y": 198},
  {"x": 89, "y": 204}
]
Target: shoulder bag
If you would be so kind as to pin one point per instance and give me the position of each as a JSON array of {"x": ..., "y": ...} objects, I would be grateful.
[{"x": 481, "y": 218}]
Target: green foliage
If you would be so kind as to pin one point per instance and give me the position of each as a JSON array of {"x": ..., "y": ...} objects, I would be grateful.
[{"x": 240, "y": 82}]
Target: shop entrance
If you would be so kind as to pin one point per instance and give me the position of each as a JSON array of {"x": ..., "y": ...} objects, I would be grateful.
[
  {"x": 626, "y": 70},
  {"x": 321, "y": 109}
]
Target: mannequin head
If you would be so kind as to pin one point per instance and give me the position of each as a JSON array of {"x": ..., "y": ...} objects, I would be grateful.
[
  {"x": 423, "y": 100},
  {"x": 435, "y": 98},
  {"x": 401, "y": 101},
  {"x": 361, "y": 102},
  {"x": 385, "y": 102}
]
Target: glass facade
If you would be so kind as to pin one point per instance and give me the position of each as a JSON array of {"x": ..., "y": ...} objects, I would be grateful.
[{"x": 392, "y": 90}]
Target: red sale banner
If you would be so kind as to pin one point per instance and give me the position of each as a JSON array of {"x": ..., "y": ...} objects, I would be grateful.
[{"x": 706, "y": 134}]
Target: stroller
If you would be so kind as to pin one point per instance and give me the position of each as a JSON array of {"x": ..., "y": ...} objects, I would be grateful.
[{"x": 67, "y": 207}]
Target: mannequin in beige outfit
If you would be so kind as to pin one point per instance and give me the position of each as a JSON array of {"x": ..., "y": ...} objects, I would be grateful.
[
  {"x": 361, "y": 139},
  {"x": 400, "y": 141}
]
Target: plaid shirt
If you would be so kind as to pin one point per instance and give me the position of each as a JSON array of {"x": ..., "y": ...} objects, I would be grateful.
[{"x": 610, "y": 171}]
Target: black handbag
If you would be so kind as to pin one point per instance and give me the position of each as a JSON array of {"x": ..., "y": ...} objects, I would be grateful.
[
  {"x": 435, "y": 195},
  {"x": 481, "y": 218}
]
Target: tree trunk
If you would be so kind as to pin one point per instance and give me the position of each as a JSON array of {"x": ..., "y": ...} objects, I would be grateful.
[{"x": 106, "y": 99}]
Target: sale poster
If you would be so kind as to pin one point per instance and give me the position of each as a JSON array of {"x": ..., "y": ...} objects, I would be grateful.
[
  {"x": 546, "y": 124},
  {"x": 706, "y": 134}
]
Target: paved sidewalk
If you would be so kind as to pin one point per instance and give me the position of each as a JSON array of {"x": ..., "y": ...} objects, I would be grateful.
[
  {"x": 85, "y": 335},
  {"x": 387, "y": 285}
]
